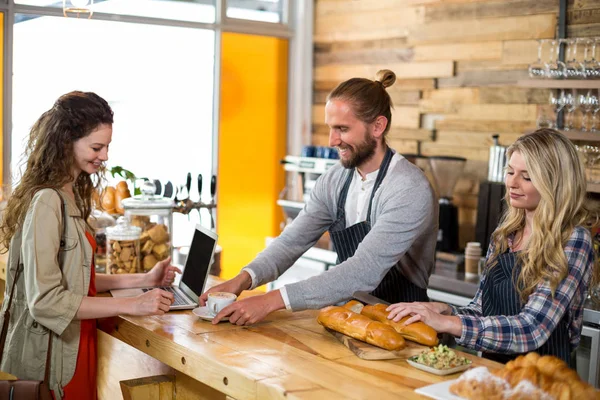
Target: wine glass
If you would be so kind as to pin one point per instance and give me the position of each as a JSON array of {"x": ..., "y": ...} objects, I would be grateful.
[
  {"x": 555, "y": 69},
  {"x": 537, "y": 69},
  {"x": 595, "y": 107},
  {"x": 574, "y": 69},
  {"x": 558, "y": 101},
  {"x": 570, "y": 106},
  {"x": 586, "y": 121}
]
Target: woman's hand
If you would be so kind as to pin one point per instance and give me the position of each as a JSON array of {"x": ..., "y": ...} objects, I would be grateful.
[
  {"x": 154, "y": 302},
  {"x": 429, "y": 313},
  {"x": 398, "y": 308},
  {"x": 162, "y": 274}
]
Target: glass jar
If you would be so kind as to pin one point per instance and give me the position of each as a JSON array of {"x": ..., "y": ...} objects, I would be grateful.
[
  {"x": 154, "y": 216},
  {"x": 123, "y": 248},
  {"x": 100, "y": 221}
]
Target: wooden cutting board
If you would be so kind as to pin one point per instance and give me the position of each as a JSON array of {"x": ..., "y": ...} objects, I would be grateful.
[{"x": 369, "y": 352}]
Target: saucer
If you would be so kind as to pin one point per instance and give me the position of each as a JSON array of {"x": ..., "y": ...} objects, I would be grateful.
[{"x": 204, "y": 313}]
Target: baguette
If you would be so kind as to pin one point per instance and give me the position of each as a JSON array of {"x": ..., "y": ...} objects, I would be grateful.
[
  {"x": 360, "y": 327},
  {"x": 354, "y": 305},
  {"x": 416, "y": 332}
]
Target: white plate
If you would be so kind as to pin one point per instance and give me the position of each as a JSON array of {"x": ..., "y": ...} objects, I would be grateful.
[
  {"x": 439, "y": 391},
  {"x": 436, "y": 371},
  {"x": 202, "y": 312}
]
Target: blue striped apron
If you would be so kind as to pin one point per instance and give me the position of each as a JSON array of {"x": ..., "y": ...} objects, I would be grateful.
[
  {"x": 394, "y": 287},
  {"x": 500, "y": 297}
]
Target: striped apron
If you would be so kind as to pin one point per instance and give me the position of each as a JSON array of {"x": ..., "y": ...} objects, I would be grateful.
[
  {"x": 394, "y": 287},
  {"x": 500, "y": 297}
]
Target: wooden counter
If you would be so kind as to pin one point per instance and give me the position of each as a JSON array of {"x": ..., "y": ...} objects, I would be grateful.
[{"x": 289, "y": 355}]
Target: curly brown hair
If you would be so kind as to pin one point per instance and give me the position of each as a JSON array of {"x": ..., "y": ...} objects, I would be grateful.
[{"x": 49, "y": 157}]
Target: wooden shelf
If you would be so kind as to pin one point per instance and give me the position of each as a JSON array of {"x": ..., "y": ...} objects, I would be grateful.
[
  {"x": 560, "y": 83},
  {"x": 585, "y": 136},
  {"x": 593, "y": 187}
]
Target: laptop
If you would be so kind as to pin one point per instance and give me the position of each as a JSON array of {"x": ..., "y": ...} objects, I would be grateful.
[{"x": 195, "y": 273}]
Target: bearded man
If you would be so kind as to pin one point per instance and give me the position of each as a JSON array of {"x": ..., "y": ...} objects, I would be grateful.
[{"x": 379, "y": 209}]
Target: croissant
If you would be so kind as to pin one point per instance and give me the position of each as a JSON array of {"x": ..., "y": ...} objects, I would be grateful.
[{"x": 528, "y": 377}]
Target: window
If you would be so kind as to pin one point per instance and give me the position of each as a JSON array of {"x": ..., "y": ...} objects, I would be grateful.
[
  {"x": 257, "y": 10},
  {"x": 161, "y": 93},
  {"x": 190, "y": 10}
]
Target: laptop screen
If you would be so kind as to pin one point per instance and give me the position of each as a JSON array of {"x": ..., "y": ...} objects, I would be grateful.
[{"x": 198, "y": 260}]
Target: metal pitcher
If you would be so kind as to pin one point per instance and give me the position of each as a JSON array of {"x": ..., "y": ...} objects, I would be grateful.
[{"x": 497, "y": 160}]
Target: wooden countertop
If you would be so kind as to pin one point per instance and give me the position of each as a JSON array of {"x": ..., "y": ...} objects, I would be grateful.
[{"x": 289, "y": 355}]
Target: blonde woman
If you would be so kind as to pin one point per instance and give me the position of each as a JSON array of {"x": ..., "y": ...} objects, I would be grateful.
[{"x": 539, "y": 264}]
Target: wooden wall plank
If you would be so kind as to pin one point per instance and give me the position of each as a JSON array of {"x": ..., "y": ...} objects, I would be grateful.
[
  {"x": 490, "y": 29},
  {"x": 399, "y": 85},
  {"x": 491, "y": 66},
  {"x": 372, "y": 24},
  {"x": 472, "y": 139},
  {"x": 365, "y": 56},
  {"x": 446, "y": 101},
  {"x": 432, "y": 69},
  {"x": 483, "y": 78},
  {"x": 519, "y": 51},
  {"x": 459, "y": 51},
  {"x": 588, "y": 16},
  {"x": 489, "y": 9},
  {"x": 404, "y": 146},
  {"x": 422, "y": 135},
  {"x": 390, "y": 43},
  {"x": 492, "y": 112},
  {"x": 513, "y": 95},
  {"x": 581, "y": 4},
  {"x": 324, "y": 8},
  {"x": 583, "y": 30},
  {"x": 471, "y": 153},
  {"x": 495, "y": 126}
]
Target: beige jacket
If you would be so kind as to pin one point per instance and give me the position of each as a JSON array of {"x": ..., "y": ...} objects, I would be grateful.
[{"x": 46, "y": 297}]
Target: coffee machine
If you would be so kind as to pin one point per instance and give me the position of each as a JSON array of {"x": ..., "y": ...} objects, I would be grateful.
[{"x": 445, "y": 171}]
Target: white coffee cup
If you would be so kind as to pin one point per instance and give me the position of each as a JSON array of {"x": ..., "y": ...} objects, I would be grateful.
[{"x": 218, "y": 301}]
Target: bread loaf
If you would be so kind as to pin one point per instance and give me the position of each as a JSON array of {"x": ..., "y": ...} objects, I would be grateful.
[
  {"x": 360, "y": 327},
  {"x": 354, "y": 305},
  {"x": 122, "y": 192},
  {"x": 108, "y": 200},
  {"x": 416, "y": 332}
]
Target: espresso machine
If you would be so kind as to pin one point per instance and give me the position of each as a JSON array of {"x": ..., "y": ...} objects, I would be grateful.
[{"x": 445, "y": 171}]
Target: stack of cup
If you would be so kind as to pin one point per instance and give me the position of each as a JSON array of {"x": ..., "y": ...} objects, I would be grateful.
[{"x": 472, "y": 257}]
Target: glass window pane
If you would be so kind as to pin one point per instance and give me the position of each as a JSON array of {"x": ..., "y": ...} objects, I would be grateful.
[
  {"x": 162, "y": 95},
  {"x": 256, "y": 10},
  {"x": 182, "y": 10}
]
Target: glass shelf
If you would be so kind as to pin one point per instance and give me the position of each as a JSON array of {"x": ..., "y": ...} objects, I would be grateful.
[{"x": 560, "y": 83}]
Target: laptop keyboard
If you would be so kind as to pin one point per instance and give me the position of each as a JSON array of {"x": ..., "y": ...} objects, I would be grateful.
[{"x": 179, "y": 299}]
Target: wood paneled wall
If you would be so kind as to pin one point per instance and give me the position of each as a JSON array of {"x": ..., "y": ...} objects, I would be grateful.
[{"x": 457, "y": 63}]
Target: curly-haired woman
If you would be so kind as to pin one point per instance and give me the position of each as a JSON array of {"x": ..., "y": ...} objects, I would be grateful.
[{"x": 55, "y": 282}]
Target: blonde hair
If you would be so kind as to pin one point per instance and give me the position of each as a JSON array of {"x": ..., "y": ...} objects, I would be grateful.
[
  {"x": 557, "y": 173},
  {"x": 368, "y": 98}
]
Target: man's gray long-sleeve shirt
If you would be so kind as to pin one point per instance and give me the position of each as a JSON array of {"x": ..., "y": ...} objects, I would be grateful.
[{"x": 404, "y": 228}]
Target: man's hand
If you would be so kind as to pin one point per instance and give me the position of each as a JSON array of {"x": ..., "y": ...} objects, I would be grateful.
[
  {"x": 162, "y": 274},
  {"x": 235, "y": 285},
  {"x": 252, "y": 309}
]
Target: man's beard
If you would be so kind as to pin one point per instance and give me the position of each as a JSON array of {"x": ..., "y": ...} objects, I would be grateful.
[{"x": 361, "y": 153}]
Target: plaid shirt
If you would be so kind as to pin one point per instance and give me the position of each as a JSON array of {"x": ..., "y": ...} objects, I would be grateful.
[{"x": 532, "y": 327}]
